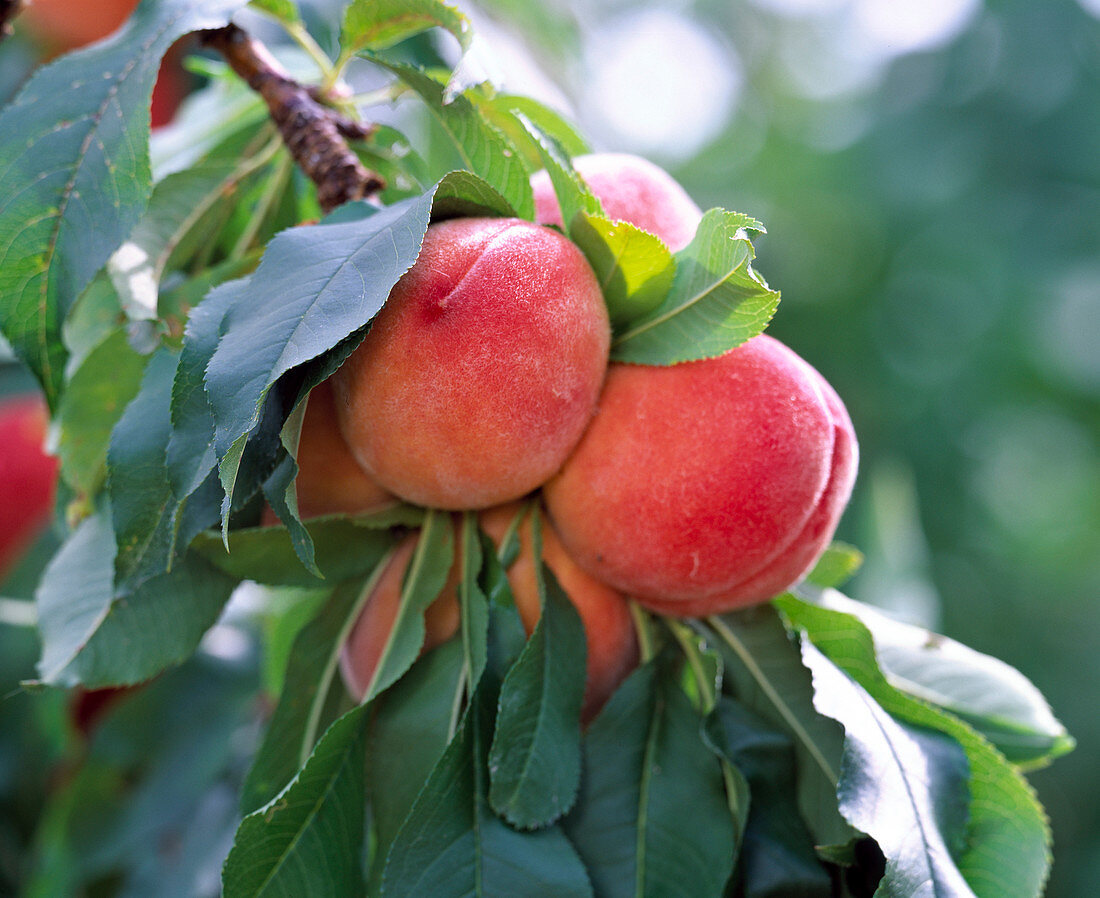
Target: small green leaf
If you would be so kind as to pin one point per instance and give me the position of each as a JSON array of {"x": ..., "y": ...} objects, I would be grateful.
[
  {"x": 777, "y": 854},
  {"x": 378, "y": 24},
  {"x": 764, "y": 672},
  {"x": 1008, "y": 837},
  {"x": 534, "y": 760},
  {"x": 635, "y": 269},
  {"x": 285, "y": 11},
  {"x": 574, "y": 197},
  {"x": 903, "y": 787},
  {"x": 408, "y": 734},
  {"x": 452, "y": 845},
  {"x": 308, "y": 840},
  {"x": 717, "y": 300},
  {"x": 483, "y": 149},
  {"x": 74, "y": 160},
  {"x": 95, "y": 636},
  {"x": 96, "y": 395},
  {"x": 473, "y": 603},
  {"x": 311, "y": 677},
  {"x": 502, "y": 110},
  {"x": 652, "y": 819},
  {"x": 837, "y": 564}
]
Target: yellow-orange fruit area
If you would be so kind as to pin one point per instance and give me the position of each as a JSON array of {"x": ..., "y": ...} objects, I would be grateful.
[{"x": 482, "y": 370}]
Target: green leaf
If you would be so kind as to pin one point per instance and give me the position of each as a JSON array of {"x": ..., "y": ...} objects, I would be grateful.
[
  {"x": 94, "y": 399},
  {"x": 308, "y": 840},
  {"x": 463, "y": 193},
  {"x": 453, "y": 846},
  {"x": 534, "y": 760},
  {"x": 152, "y": 527},
  {"x": 344, "y": 549},
  {"x": 635, "y": 269},
  {"x": 652, "y": 818},
  {"x": 1008, "y": 837},
  {"x": 75, "y": 164},
  {"x": 378, "y": 24},
  {"x": 95, "y": 636},
  {"x": 330, "y": 280},
  {"x": 777, "y": 852},
  {"x": 572, "y": 193},
  {"x": 482, "y": 148},
  {"x": 717, "y": 300},
  {"x": 903, "y": 787},
  {"x": 311, "y": 676},
  {"x": 993, "y": 697},
  {"x": 412, "y": 724},
  {"x": 764, "y": 672},
  {"x": 502, "y": 110},
  {"x": 837, "y": 564},
  {"x": 284, "y": 10},
  {"x": 473, "y": 603},
  {"x": 177, "y": 221}
]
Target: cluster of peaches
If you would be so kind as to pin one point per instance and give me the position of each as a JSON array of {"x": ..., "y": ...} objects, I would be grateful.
[{"x": 692, "y": 489}]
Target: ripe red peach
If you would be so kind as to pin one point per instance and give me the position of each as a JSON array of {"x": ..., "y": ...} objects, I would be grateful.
[
  {"x": 483, "y": 368},
  {"x": 631, "y": 189},
  {"x": 608, "y": 626},
  {"x": 709, "y": 485},
  {"x": 330, "y": 480},
  {"x": 28, "y": 476}
]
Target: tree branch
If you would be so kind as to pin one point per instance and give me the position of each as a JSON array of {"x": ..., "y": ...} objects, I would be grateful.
[
  {"x": 9, "y": 9},
  {"x": 314, "y": 133}
]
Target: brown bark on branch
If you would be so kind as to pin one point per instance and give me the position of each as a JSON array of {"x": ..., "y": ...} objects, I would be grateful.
[
  {"x": 9, "y": 9},
  {"x": 314, "y": 133}
]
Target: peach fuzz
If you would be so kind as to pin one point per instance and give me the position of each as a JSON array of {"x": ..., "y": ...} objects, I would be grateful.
[
  {"x": 483, "y": 368},
  {"x": 631, "y": 189},
  {"x": 709, "y": 485},
  {"x": 608, "y": 626}
]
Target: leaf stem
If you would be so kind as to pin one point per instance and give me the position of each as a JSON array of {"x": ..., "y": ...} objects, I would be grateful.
[
  {"x": 643, "y": 628},
  {"x": 689, "y": 643}
]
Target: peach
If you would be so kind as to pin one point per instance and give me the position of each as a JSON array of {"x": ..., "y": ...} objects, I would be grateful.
[
  {"x": 28, "y": 476},
  {"x": 608, "y": 626},
  {"x": 710, "y": 485},
  {"x": 330, "y": 480},
  {"x": 483, "y": 368},
  {"x": 631, "y": 189}
]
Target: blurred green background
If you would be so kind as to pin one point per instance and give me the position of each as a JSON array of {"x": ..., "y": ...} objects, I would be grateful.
[{"x": 929, "y": 172}]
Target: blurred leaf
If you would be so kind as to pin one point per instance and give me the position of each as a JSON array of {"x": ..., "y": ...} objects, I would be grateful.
[
  {"x": 95, "y": 636},
  {"x": 534, "y": 759},
  {"x": 903, "y": 787},
  {"x": 484, "y": 150},
  {"x": 993, "y": 697},
  {"x": 378, "y": 24},
  {"x": 777, "y": 855},
  {"x": 652, "y": 818},
  {"x": 1008, "y": 838},
  {"x": 452, "y": 845},
  {"x": 283, "y": 10},
  {"x": 84, "y": 120},
  {"x": 311, "y": 675},
  {"x": 764, "y": 670},
  {"x": 837, "y": 564},
  {"x": 502, "y": 110},
  {"x": 94, "y": 399},
  {"x": 407, "y": 736},
  {"x": 716, "y": 302},
  {"x": 153, "y": 529},
  {"x": 635, "y": 269},
  {"x": 572, "y": 193},
  {"x": 309, "y": 839}
]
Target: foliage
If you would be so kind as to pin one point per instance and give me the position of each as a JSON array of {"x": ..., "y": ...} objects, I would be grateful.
[{"x": 465, "y": 770}]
